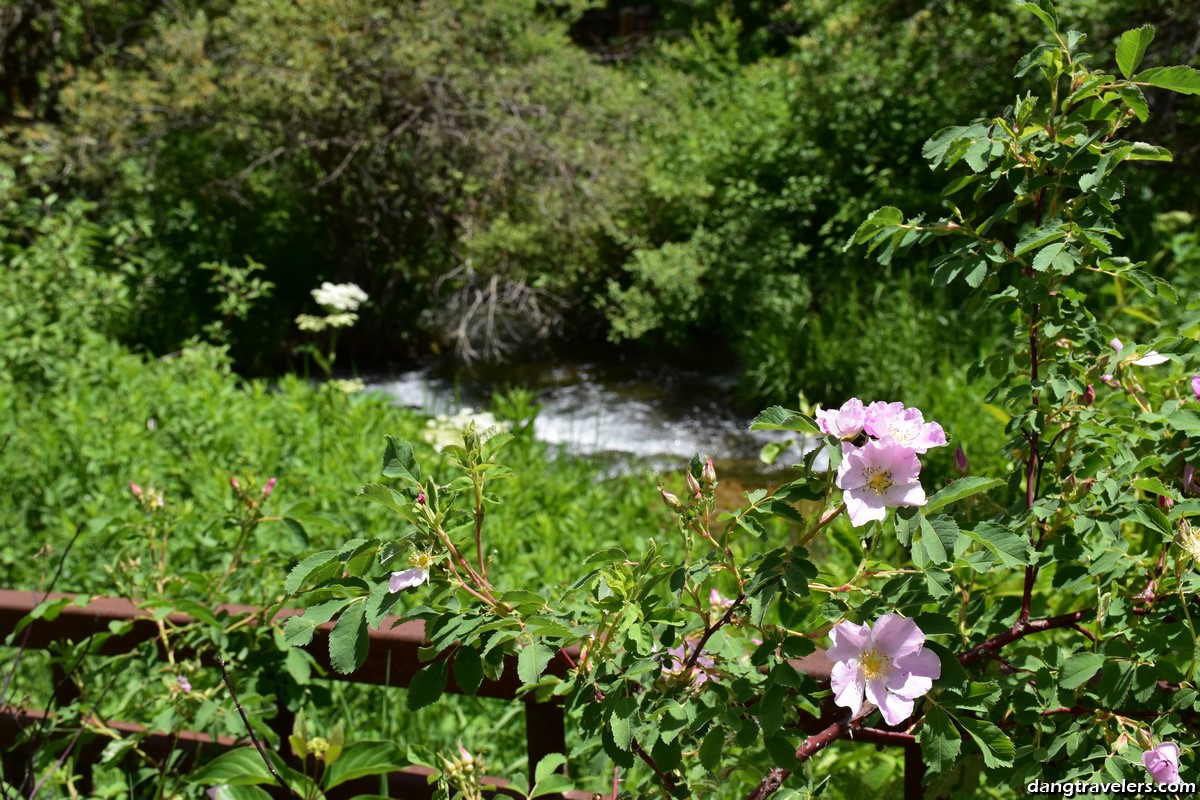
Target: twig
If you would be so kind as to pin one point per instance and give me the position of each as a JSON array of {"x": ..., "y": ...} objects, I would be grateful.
[
  {"x": 257, "y": 744},
  {"x": 1019, "y": 630}
]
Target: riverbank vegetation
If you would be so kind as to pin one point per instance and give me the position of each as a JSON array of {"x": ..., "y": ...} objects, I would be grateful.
[{"x": 506, "y": 180}]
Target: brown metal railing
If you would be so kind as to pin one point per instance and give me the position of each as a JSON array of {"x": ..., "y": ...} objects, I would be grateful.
[{"x": 392, "y": 661}]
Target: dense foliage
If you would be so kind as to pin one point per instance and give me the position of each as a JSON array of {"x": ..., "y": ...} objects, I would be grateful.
[{"x": 175, "y": 178}]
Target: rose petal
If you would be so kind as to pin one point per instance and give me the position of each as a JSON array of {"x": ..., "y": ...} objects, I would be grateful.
[
  {"x": 849, "y": 641},
  {"x": 897, "y": 636},
  {"x": 847, "y": 683}
]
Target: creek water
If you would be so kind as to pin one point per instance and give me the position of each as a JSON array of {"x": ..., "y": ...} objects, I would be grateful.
[{"x": 630, "y": 415}]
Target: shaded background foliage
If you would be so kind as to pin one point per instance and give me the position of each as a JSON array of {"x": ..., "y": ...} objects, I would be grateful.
[{"x": 501, "y": 176}]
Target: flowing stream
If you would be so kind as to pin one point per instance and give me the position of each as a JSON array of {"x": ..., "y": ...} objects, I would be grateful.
[{"x": 628, "y": 414}]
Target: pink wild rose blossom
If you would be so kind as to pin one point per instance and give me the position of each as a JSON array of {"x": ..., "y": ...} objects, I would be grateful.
[
  {"x": 906, "y": 425},
  {"x": 888, "y": 664},
  {"x": 877, "y": 476},
  {"x": 844, "y": 423},
  {"x": 1196, "y": 386},
  {"x": 410, "y": 578},
  {"x": 1162, "y": 763}
]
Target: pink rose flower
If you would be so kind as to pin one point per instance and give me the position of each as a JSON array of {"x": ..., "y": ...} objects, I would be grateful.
[
  {"x": 1163, "y": 763},
  {"x": 888, "y": 664},
  {"x": 879, "y": 475},
  {"x": 906, "y": 425},
  {"x": 1196, "y": 386},
  {"x": 844, "y": 423}
]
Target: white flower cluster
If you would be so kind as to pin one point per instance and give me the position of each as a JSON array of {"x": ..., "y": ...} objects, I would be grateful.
[{"x": 339, "y": 296}]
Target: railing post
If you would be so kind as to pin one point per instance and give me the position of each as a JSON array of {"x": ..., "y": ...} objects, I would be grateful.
[
  {"x": 914, "y": 773},
  {"x": 544, "y": 733}
]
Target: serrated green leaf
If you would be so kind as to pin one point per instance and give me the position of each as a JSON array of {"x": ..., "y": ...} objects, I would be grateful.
[
  {"x": 997, "y": 748},
  {"x": 348, "y": 639},
  {"x": 960, "y": 490},
  {"x": 399, "y": 460},
  {"x": 940, "y": 741},
  {"x": 1010, "y": 548},
  {"x": 622, "y": 732},
  {"x": 385, "y": 496},
  {"x": 532, "y": 662},
  {"x": 1131, "y": 47},
  {"x": 1185, "y": 421},
  {"x": 1079, "y": 669},
  {"x": 427, "y": 685},
  {"x": 939, "y": 539},
  {"x": 778, "y": 418},
  {"x": 1046, "y": 256},
  {"x": 1040, "y": 238},
  {"x": 712, "y": 747},
  {"x": 298, "y": 631},
  {"x": 548, "y": 766},
  {"x": 301, "y": 573},
  {"x": 468, "y": 669},
  {"x": 1182, "y": 79}
]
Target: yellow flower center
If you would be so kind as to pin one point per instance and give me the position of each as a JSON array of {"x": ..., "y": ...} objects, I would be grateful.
[
  {"x": 420, "y": 560},
  {"x": 875, "y": 665},
  {"x": 878, "y": 480}
]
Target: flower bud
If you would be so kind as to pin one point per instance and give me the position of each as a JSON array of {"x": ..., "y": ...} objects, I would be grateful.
[
  {"x": 1165, "y": 503},
  {"x": 420, "y": 498},
  {"x": 1089, "y": 395},
  {"x": 270, "y": 487},
  {"x": 961, "y": 465},
  {"x": 671, "y": 500},
  {"x": 708, "y": 475},
  {"x": 693, "y": 485},
  {"x": 1189, "y": 480},
  {"x": 1196, "y": 386},
  {"x": 233, "y": 483},
  {"x": 136, "y": 491}
]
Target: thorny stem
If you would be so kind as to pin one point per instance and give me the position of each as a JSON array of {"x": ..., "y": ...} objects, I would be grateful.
[
  {"x": 709, "y": 630},
  {"x": 827, "y": 518},
  {"x": 664, "y": 778},
  {"x": 257, "y": 744}
]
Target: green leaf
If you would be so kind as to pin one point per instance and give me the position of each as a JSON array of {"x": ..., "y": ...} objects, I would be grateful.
[
  {"x": 548, "y": 766},
  {"x": 940, "y": 741},
  {"x": 622, "y": 732},
  {"x": 1079, "y": 669},
  {"x": 939, "y": 537},
  {"x": 468, "y": 669},
  {"x": 1043, "y": 10},
  {"x": 551, "y": 784},
  {"x": 298, "y": 631},
  {"x": 1012, "y": 549},
  {"x": 1131, "y": 47},
  {"x": 712, "y": 747},
  {"x": 532, "y": 661},
  {"x": 348, "y": 641},
  {"x": 1045, "y": 257},
  {"x": 778, "y": 418},
  {"x": 1185, "y": 421},
  {"x": 427, "y": 685},
  {"x": 1185, "y": 80},
  {"x": 1040, "y": 238},
  {"x": 384, "y": 496},
  {"x": 399, "y": 461},
  {"x": 364, "y": 758},
  {"x": 301, "y": 573},
  {"x": 997, "y": 748},
  {"x": 240, "y": 767},
  {"x": 959, "y": 490}
]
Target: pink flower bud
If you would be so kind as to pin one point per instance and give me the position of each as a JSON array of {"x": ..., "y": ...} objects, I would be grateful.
[
  {"x": 671, "y": 500},
  {"x": 270, "y": 487},
  {"x": 1165, "y": 502},
  {"x": 233, "y": 481},
  {"x": 420, "y": 498},
  {"x": 184, "y": 684},
  {"x": 708, "y": 475},
  {"x": 693, "y": 485},
  {"x": 961, "y": 465},
  {"x": 135, "y": 490},
  {"x": 1089, "y": 395}
]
